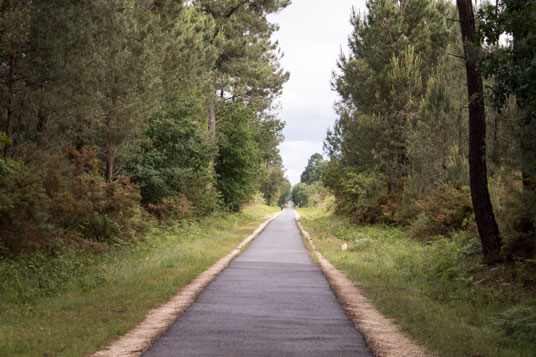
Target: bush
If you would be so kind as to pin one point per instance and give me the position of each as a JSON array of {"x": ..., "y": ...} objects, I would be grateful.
[
  {"x": 299, "y": 195},
  {"x": 363, "y": 197},
  {"x": 520, "y": 226},
  {"x": 319, "y": 196},
  {"x": 518, "y": 323},
  {"x": 446, "y": 210},
  {"x": 83, "y": 204},
  {"x": 24, "y": 207},
  {"x": 65, "y": 198}
]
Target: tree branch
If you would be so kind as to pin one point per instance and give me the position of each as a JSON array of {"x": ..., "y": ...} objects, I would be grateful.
[{"x": 457, "y": 56}]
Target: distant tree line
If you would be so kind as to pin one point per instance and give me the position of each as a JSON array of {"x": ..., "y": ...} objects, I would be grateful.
[
  {"x": 310, "y": 192},
  {"x": 111, "y": 103}
]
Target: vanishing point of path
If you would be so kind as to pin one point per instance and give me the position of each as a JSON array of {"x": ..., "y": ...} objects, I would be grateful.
[{"x": 272, "y": 300}]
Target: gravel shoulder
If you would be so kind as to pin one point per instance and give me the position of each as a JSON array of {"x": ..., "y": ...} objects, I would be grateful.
[
  {"x": 383, "y": 337},
  {"x": 158, "y": 320},
  {"x": 272, "y": 300}
]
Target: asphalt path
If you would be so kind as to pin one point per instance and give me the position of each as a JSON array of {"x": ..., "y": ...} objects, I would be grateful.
[{"x": 272, "y": 300}]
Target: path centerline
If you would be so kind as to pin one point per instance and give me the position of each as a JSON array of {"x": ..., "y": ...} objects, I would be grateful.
[{"x": 271, "y": 300}]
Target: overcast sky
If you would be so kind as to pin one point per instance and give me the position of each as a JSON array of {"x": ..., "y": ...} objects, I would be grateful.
[{"x": 311, "y": 35}]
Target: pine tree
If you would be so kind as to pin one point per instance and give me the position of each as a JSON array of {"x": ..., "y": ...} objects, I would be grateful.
[
  {"x": 485, "y": 218},
  {"x": 15, "y": 22}
]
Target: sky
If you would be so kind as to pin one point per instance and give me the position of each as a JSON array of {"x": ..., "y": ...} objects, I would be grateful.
[{"x": 311, "y": 35}]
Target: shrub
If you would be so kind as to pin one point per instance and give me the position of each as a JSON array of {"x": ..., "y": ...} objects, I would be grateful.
[
  {"x": 299, "y": 195},
  {"x": 445, "y": 210},
  {"x": 66, "y": 198},
  {"x": 84, "y": 204},
  {"x": 319, "y": 196},
  {"x": 177, "y": 208},
  {"x": 518, "y": 323},
  {"x": 520, "y": 226},
  {"x": 363, "y": 197},
  {"x": 24, "y": 207}
]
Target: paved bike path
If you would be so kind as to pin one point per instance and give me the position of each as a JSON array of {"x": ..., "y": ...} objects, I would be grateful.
[{"x": 272, "y": 300}]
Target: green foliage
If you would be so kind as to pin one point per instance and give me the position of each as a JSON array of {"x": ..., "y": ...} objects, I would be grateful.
[
  {"x": 319, "y": 196},
  {"x": 174, "y": 160},
  {"x": 383, "y": 80},
  {"x": 248, "y": 62},
  {"x": 237, "y": 165},
  {"x": 519, "y": 224},
  {"x": 24, "y": 207},
  {"x": 437, "y": 291},
  {"x": 284, "y": 193},
  {"x": 299, "y": 195},
  {"x": 361, "y": 196},
  {"x": 132, "y": 81},
  {"x": 274, "y": 186},
  {"x": 69, "y": 199},
  {"x": 400, "y": 119},
  {"x": 511, "y": 65},
  {"x": 444, "y": 211},
  {"x": 313, "y": 171},
  {"x": 271, "y": 185},
  {"x": 35, "y": 275},
  {"x": 518, "y": 322}
]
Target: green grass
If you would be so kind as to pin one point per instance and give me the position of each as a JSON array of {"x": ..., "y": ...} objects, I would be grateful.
[
  {"x": 73, "y": 303},
  {"x": 438, "y": 291}
]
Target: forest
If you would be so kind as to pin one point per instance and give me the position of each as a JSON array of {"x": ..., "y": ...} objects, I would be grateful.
[
  {"x": 430, "y": 171},
  {"x": 408, "y": 149},
  {"x": 140, "y": 145},
  {"x": 117, "y": 110}
]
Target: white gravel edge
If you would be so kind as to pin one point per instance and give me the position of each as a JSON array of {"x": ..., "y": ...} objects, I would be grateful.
[
  {"x": 383, "y": 337},
  {"x": 158, "y": 320}
]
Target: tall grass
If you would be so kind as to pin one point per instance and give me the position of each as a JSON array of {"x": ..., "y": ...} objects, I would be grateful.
[
  {"x": 438, "y": 292},
  {"x": 73, "y": 303}
]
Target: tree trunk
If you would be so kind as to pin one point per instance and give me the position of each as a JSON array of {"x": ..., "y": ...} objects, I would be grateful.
[
  {"x": 41, "y": 127},
  {"x": 212, "y": 132},
  {"x": 528, "y": 165},
  {"x": 10, "y": 104},
  {"x": 110, "y": 157},
  {"x": 212, "y": 121},
  {"x": 527, "y": 158},
  {"x": 485, "y": 218}
]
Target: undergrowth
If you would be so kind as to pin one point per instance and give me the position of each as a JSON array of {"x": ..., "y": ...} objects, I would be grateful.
[{"x": 71, "y": 301}]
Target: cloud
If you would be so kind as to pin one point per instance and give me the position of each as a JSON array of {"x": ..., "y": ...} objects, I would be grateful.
[
  {"x": 311, "y": 34},
  {"x": 296, "y": 154}
]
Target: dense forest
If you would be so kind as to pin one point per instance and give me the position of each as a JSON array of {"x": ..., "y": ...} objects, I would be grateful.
[
  {"x": 173, "y": 115},
  {"x": 138, "y": 138},
  {"x": 417, "y": 143},
  {"x": 113, "y": 110}
]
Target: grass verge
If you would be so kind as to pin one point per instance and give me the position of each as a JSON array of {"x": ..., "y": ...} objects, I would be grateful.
[
  {"x": 438, "y": 292},
  {"x": 73, "y": 303}
]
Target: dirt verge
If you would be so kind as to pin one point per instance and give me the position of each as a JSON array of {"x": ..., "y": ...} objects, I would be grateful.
[
  {"x": 157, "y": 321},
  {"x": 383, "y": 337}
]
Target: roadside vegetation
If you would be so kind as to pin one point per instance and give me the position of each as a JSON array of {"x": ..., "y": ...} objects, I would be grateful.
[
  {"x": 438, "y": 291},
  {"x": 422, "y": 140},
  {"x": 430, "y": 172},
  {"x": 72, "y": 302}
]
